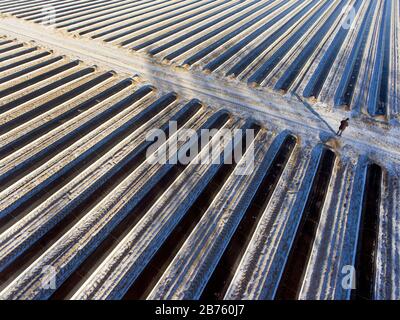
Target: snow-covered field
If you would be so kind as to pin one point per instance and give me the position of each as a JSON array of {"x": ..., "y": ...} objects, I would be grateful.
[{"x": 78, "y": 198}]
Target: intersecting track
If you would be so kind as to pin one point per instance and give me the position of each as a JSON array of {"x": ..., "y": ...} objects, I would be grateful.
[{"x": 77, "y": 194}]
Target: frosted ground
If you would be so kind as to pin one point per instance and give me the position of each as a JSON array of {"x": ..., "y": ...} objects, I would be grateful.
[{"x": 83, "y": 81}]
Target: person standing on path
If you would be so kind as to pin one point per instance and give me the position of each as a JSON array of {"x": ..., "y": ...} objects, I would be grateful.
[{"x": 343, "y": 125}]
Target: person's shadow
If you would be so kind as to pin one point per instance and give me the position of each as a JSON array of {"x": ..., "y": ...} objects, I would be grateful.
[{"x": 323, "y": 135}]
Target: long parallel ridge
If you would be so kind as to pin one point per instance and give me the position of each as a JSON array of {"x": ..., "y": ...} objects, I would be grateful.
[
  {"x": 308, "y": 47},
  {"x": 78, "y": 198}
]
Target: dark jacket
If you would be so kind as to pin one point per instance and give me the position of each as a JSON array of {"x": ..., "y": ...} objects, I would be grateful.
[{"x": 343, "y": 125}]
